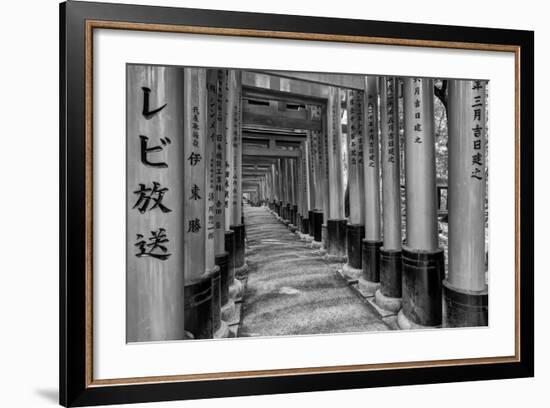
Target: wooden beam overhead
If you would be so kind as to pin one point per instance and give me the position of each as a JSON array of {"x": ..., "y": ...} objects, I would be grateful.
[
  {"x": 348, "y": 81},
  {"x": 280, "y": 121},
  {"x": 249, "y": 151}
]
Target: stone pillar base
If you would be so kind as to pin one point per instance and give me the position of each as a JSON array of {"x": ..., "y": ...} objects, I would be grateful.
[
  {"x": 390, "y": 304},
  {"x": 303, "y": 237},
  {"x": 197, "y": 295},
  {"x": 423, "y": 273},
  {"x": 335, "y": 258},
  {"x": 367, "y": 286},
  {"x": 228, "y": 311},
  {"x": 351, "y": 273},
  {"x": 222, "y": 332},
  {"x": 355, "y": 234},
  {"x": 241, "y": 271},
  {"x": 236, "y": 290},
  {"x": 405, "y": 323},
  {"x": 315, "y": 244},
  {"x": 464, "y": 308}
]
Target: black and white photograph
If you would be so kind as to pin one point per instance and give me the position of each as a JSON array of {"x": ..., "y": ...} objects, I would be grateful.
[
  {"x": 274, "y": 204},
  {"x": 279, "y": 203}
]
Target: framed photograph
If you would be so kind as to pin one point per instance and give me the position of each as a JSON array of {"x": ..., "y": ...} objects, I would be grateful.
[{"x": 256, "y": 204}]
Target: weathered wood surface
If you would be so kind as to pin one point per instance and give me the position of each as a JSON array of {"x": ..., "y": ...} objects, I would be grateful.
[
  {"x": 154, "y": 300},
  {"x": 467, "y": 184},
  {"x": 391, "y": 166},
  {"x": 420, "y": 173},
  {"x": 371, "y": 156}
]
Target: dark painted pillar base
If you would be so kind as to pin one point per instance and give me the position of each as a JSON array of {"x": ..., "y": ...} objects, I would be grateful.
[
  {"x": 281, "y": 208},
  {"x": 198, "y": 310},
  {"x": 216, "y": 299},
  {"x": 371, "y": 260},
  {"x": 336, "y": 239},
  {"x": 324, "y": 239},
  {"x": 222, "y": 260},
  {"x": 464, "y": 308},
  {"x": 423, "y": 273},
  {"x": 295, "y": 215},
  {"x": 235, "y": 286},
  {"x": 317, "y": 225},
  {"x": 227, "y": 303},
  {"x": 390, "y": 272},
  {"x": 355, "y": 234},
  {"x": 305, "y": 225},
  {"x": 290, "y": 214},
  {"x": 239, "y": 244},
  {"x": 311, "y": 224},
  {"x": 240, "y": 265},
  {"x": 230, "y": 249}
]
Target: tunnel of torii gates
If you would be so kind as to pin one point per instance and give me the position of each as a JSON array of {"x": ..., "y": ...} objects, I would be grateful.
[{"x": 278, "y": 139}]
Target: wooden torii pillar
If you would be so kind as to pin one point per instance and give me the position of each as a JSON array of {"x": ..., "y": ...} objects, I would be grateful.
[
  {"x": 234, "y": 244},
  {"x": 236, "y": 196},
  {"x": 423, "y": 259},
  {"x": 199, "y": 263},
  {"x": 371, "y": 241},
  {"x": 155, "y": 103},
  {"x": 303, "y": 190},
  {"x": 293, "y": 194},
  {"x": 465, "y": 289},
  {"x": 217, "y": 83},
  {"x": 288, "y": 189},
  {"x": 306, "y": 187},
  {"x": 324, "y": 153},
  {"x": 353, "y": 269},
  {"x": 284, "y": 188},
  {"x": 316, "y": 216},
  {"x": 314, "y": 192},
  {"x": 336, "y": 222},
  {"x": 388, "y": 297},
  {"x": 276, "y": 193},
  {"x": 280, "y": 184}
]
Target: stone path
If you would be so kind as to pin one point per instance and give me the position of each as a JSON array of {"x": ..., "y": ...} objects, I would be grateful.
[{"x": 291, "y": 289}]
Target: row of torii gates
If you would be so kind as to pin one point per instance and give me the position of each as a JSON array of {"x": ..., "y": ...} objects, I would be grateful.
[{"x": 277, "y": 138}]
